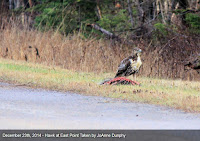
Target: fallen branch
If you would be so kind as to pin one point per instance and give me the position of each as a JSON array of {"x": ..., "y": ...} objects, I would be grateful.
[{"x": 107, "y": 33}]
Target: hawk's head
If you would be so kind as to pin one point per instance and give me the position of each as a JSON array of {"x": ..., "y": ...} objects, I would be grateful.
[{"x": 137, "y": 51}]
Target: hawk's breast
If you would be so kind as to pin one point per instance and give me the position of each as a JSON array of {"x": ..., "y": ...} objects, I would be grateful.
[{"x": 135, "y": 65}]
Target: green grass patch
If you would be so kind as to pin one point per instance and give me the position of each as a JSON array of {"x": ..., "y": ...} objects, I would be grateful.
[{"x": 173, "y": 93}]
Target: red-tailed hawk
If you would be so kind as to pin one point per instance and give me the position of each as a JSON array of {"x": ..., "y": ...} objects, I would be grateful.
[{"x": 128, "y": 66}]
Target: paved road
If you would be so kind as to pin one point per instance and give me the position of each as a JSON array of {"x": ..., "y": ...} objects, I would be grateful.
[{"x": 25, "y": 108}]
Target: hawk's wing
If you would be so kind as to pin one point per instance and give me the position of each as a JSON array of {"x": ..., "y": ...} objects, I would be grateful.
[{"x": 123, "y": 66}]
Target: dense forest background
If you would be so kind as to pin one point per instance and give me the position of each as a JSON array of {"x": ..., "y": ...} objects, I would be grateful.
[
  {"x": 132, "y": 18},
  {"x": 167, "y": 30}
]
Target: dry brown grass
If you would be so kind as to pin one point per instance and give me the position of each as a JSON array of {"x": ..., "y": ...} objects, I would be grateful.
[
  {"x": 51, "y": 48},
  {"x": 91, "y": 55}
]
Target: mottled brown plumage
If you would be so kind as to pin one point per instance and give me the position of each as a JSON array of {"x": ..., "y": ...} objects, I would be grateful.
[{"x": 130, "y": 65}]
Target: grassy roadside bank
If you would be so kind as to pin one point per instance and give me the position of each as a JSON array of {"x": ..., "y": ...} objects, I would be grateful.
[{"x": 173, "y": 93}]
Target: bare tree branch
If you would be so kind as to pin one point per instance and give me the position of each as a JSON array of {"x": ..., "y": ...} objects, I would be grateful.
[{"x": 104, "y": 31}]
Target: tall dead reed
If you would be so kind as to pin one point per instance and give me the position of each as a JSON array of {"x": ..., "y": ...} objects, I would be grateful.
[
  {"x": 77, "y": 53},
  {"x": 51, "y": 48}
]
